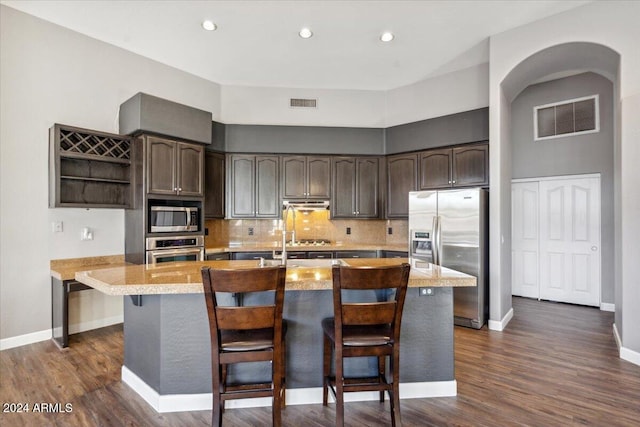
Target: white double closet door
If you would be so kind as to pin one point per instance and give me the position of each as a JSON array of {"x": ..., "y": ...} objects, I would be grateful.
[{"x": 556, "y": 239}]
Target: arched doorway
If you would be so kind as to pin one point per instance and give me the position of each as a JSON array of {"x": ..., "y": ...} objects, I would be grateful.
[{"x": 548, "y": 64}]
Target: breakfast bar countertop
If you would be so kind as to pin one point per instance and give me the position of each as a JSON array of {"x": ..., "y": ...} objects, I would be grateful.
[
  {"x": 186, "y": 278},
  {"x": 66, "y": 269}
]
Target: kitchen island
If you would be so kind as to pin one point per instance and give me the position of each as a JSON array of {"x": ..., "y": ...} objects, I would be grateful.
[{"x": 167, "y": 356}]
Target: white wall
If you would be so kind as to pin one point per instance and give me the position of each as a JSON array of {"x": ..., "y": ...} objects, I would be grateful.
[
  {"x": 613, "y": 24},
  {"x": 462, "y": 90},
  {"x": 450, "y": 93},
  {"x": 270, "y": 106},
  {"x": 49, "y": 75}
]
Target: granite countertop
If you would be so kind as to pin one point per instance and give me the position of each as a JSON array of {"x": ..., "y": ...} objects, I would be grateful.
[
  {"x": 186, "y": 278},
  {"x": 274, "y": 246},
  {"x": 65, "y": 269}
]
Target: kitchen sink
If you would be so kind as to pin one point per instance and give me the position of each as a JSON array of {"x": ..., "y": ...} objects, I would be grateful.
[{"x": 302, "y": 263}]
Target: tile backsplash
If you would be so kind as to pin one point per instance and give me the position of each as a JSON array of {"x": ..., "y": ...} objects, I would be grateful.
[{"x": 308, "y": 225}]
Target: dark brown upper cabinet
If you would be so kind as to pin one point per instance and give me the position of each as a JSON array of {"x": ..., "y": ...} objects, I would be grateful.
[
  {"x": 435, "y": 169},
  {"x": 402, "y": 177},
  {"x": 356, "y": 188},
  {"x": 252, "y": 190},
  {"x": 174, "y": 168},
  {"x": 471, "y": 166},
  {"x": 306, "y": 177},
  {"x": 454, "y": 167},
  {"x": 214, "y": 185},
  {"x": 89, "y": 169}
]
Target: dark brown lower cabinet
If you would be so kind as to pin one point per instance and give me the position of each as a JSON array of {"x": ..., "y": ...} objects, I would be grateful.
[{"x": 221, "y": 256}]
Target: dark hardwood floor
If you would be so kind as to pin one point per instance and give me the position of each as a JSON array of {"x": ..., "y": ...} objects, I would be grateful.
[{"x": 555, "y": 365}]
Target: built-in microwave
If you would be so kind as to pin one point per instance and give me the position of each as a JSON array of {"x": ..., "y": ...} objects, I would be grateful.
[{"x": 170, "y": 218}]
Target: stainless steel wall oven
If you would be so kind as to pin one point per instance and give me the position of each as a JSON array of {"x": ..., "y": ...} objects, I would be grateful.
[{"x": 175, "y": 248}]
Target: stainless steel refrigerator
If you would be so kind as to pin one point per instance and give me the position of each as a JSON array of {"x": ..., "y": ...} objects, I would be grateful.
[{"x": 451, "y": 228}]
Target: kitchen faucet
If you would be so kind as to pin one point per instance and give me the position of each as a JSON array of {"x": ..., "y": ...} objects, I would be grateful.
[{"x": 285, "y": 216}]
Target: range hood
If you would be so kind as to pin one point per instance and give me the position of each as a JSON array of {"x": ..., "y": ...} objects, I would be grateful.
[{"x": 306, "y": 205}]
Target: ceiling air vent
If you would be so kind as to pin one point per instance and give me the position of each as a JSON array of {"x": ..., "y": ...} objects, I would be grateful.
[{"x": 303, "y": 103}]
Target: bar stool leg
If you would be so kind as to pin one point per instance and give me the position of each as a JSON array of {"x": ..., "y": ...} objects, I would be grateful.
[
  {"x": 276, "y": 414},
  {"x": 284, "y": 374},
  {"x": 326, "y": 369},
  {"x": 339, "y": 387},
  {"x": 216, "y": 416},
  {"x": 382, "y": 368},
  {"x": 395, "y": 398}
]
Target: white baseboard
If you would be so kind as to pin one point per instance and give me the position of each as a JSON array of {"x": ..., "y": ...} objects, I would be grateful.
[
  {"x": 500, "y": 325},
  {"x": 297, "y": 396},
  {"x": 35, "y": 337},
  {"x": 616, "y": 335},
  {"x": 95, "y": 324},
  {"x": 25, "y": 339},
  {"x": 607, "y": 306},
  {"x": 625, "y": 353},
  {"x": 630, "y": 355}
]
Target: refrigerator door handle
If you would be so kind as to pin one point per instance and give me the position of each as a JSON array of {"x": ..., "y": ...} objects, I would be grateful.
[
  {"x": 439, "y": 240},
  {"x": 434, "y": 241}
]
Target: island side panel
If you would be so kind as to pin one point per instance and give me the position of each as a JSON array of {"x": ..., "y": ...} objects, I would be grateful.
[
  {"x": 186, "y": 344},
  {"x": 426, "y": 337},
  {"x": 167, "y": 341},
  {"x": 142, "y": 340}
]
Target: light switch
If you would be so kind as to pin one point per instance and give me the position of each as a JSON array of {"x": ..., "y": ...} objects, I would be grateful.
[{"x": 56, "y": 226}]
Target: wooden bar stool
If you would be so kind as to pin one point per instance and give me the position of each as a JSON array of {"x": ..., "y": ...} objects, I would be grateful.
[
  {"x": 365, "y": 329},
  {"x": 246, "y": 334}
]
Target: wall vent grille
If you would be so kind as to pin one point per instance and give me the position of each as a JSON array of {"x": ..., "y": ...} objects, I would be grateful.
[
  {"x": 303, "y": 103},
  {"x": 566, "y": 118}
]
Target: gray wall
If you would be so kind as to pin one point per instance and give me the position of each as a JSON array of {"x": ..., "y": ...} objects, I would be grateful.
[
  {"x": 589, "y": 153},
  {"x": 303, "y": 139},
  {"x": 218, "y": 131},
  {"x": 459, "y": 128}
]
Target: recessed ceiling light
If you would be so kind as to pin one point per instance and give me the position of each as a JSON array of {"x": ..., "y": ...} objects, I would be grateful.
[
  {"x": 387, "y": 36},
  {"x": 209, "y": 25},
  {"x": 305, "y": 33}
]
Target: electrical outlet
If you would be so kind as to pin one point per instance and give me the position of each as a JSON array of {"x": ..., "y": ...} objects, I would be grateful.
[
  {"x": 348, "y": 230},
  {"x": 390, "y": 230},
  {"x": 56, "y": 226},
  {"x": 250, "y": 230},
  {"x": 425, "y": 292},
  {"x": 87, "y": 234}
]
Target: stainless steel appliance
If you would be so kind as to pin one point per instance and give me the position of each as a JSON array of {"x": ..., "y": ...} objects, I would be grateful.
[
  {"x": 176, "y": 248},
  {"x": 171, "y": 219},
  {"x": 450, "y": 228}
]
